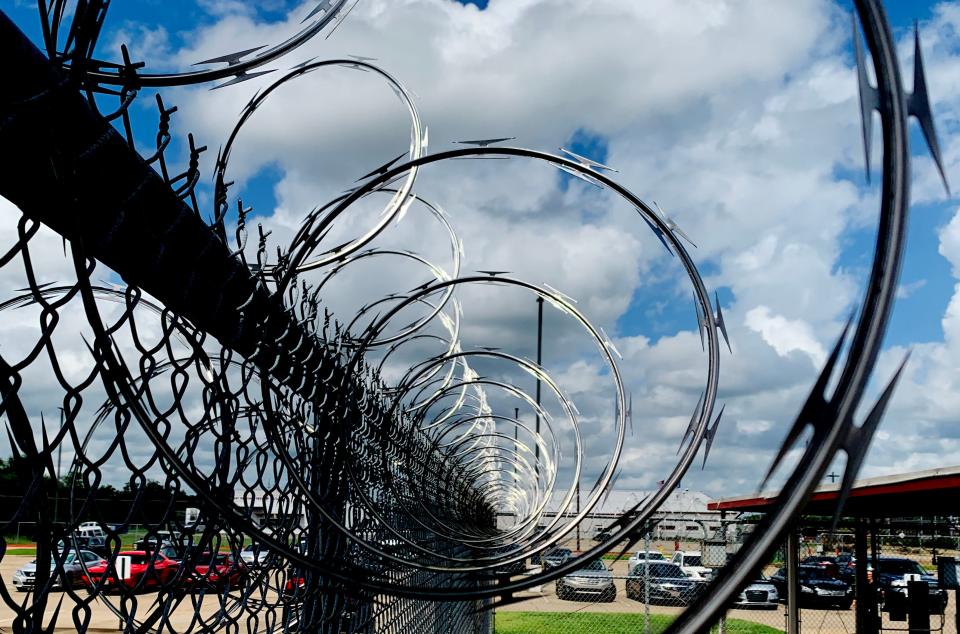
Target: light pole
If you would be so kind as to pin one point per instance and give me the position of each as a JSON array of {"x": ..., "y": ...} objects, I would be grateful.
[
  {"x": 578, "y": 513},
  {"x": 56, "y": 486},
  {"x": 540, "y": 365},
  {"x": 516, "y": 426}
]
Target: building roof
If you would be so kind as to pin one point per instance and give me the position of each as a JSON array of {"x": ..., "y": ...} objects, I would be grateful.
[
  {"x": 681, "y": 501},
  {"x": 930, "y": 492}
]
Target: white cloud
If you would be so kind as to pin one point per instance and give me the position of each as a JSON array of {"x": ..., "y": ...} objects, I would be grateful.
[
  {"x": 740, "y": 147},
  {"x": 785, "y": 335},
  {"x": 733, "y": 115}
]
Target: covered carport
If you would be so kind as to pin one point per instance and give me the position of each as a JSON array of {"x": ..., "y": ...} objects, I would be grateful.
[{"x": 935, "y": 492}]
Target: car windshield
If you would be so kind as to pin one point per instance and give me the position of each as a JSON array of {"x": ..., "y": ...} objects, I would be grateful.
[
  {"x": 901, "y": 567},
  {"x": 139, "y": 560},
  {"x": 596, "y": 564},
  {"x": 650, "y": 556},
  {"x": 560, "y": 552},
  {"x": 666, "y": 571},
  {"x": 691, "y": 560}
]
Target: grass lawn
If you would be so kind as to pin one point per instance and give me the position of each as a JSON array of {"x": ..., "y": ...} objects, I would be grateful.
[{"x": 595, "y": 622}]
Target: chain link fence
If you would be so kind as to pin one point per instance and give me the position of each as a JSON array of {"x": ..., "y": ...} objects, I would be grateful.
[{"x": 645, "y": 589}]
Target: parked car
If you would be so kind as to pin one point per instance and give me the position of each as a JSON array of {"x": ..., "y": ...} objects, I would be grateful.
[
  {"x": 146, "y": 569},
  {"x": 293, "y": 584},
  {"x": 556, "y": 557},
  {"x": 514, "y": 568},
  {"x": 641, "y": 556},
  {"x": 827, "y": 562},
  {"x": 761, "y": 593},
  {"x": 847, "y": 568},
  {"x": 254, "y": 554},
  {"x": 173, "y": 544},
  {"x": 691, "y": 565},
  {"x": 165, "y": 548},
  {"x": 24, "y": 579},
  {"x": 602, "y": 536},
  {"x": 593, "y": 580},
  {"x": 817, "y": 588},
  {"x": 216, "y": 570},
  {"x": 892, "y": 579},
  {"x": 667, "y": 584},
  {"x": 77, "y": 542},
  {"x": 91, "y": 529}
]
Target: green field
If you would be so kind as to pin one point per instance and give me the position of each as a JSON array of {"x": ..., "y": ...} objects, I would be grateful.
[{"x": 596, "y": 622}]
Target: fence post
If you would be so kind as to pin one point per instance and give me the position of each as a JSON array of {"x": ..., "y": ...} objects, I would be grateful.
[
  {"x": 646, "y": 583},
  {"x": 793, "y": 581}
]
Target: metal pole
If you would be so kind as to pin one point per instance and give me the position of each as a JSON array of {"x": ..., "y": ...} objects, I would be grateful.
[
  {"x": 723, "y": 617},
  {"x": 875, "y": 618},
  {"x": 863, "y": 594},
  {"x": 56, "y": 488},
  {"x": 516, "y": 426},
  {"x": 578, "y": 513},
  {"x": 956, "y": 616},
  {"x": 540, "y": 364},
  {"x": 646, "y": 583},
  {"x": 793, "y": 581}
]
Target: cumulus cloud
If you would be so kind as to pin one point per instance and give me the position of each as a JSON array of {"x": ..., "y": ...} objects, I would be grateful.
[
  {"x": 740, "y": 148},
  {"x": 786, "y": 335}
]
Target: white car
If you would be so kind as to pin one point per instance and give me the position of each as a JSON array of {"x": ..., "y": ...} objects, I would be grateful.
[
  {"x": 691, "y": 564},
  {"x": 759, "y": 594},
  {"x": 74, "y": 564},
  {"x": 254, "y": 554},
  {"x": 641, "y": 556}
]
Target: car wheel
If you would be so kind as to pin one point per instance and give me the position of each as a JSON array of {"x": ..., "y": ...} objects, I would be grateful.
[
  {"x": 561, "y": 591},
  {"x": 610, "y": 596},
  {"x": 846, "y": 605}
]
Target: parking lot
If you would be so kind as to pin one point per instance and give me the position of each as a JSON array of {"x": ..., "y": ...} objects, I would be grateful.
[
  {"x": 539, "y": 599},
  {"x": 102, "y": 618},
  {"x": 544, "y": 599}
]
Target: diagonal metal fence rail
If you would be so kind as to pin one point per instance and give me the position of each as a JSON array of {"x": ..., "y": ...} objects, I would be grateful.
[{"x": 288, "y": 469}]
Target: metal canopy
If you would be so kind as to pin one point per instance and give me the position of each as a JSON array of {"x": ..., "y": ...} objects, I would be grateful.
[{"x": 930, "y": 492}]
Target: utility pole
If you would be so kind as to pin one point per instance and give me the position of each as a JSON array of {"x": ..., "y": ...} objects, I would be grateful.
[
  {"x": 540, "y": 364},
  {"x": 56, "y": 488},
  {"x": 578, "y": 513},
  {"x": 516, "y": 427}
]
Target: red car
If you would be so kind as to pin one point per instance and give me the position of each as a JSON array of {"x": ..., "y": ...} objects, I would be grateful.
[
  {"x": 217, "y": 570},
  {"x": 143, "y": 572}
]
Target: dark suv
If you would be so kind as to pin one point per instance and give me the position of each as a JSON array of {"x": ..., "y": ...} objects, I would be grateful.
[
  {"x": 817, "y": 588},
  {"x": 556, "y": 557},
  {"x": 892, "y": 581}
]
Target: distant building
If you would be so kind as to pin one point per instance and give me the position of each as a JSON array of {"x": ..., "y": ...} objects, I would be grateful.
[
  {"x": 683, "y": 516},
  {"x": 268, "y": 509}
]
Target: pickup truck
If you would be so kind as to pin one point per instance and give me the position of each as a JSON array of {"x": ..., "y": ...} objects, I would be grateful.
[
  {"x": 641, "y": 556},
  {"x": 690, "y": 563}
]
